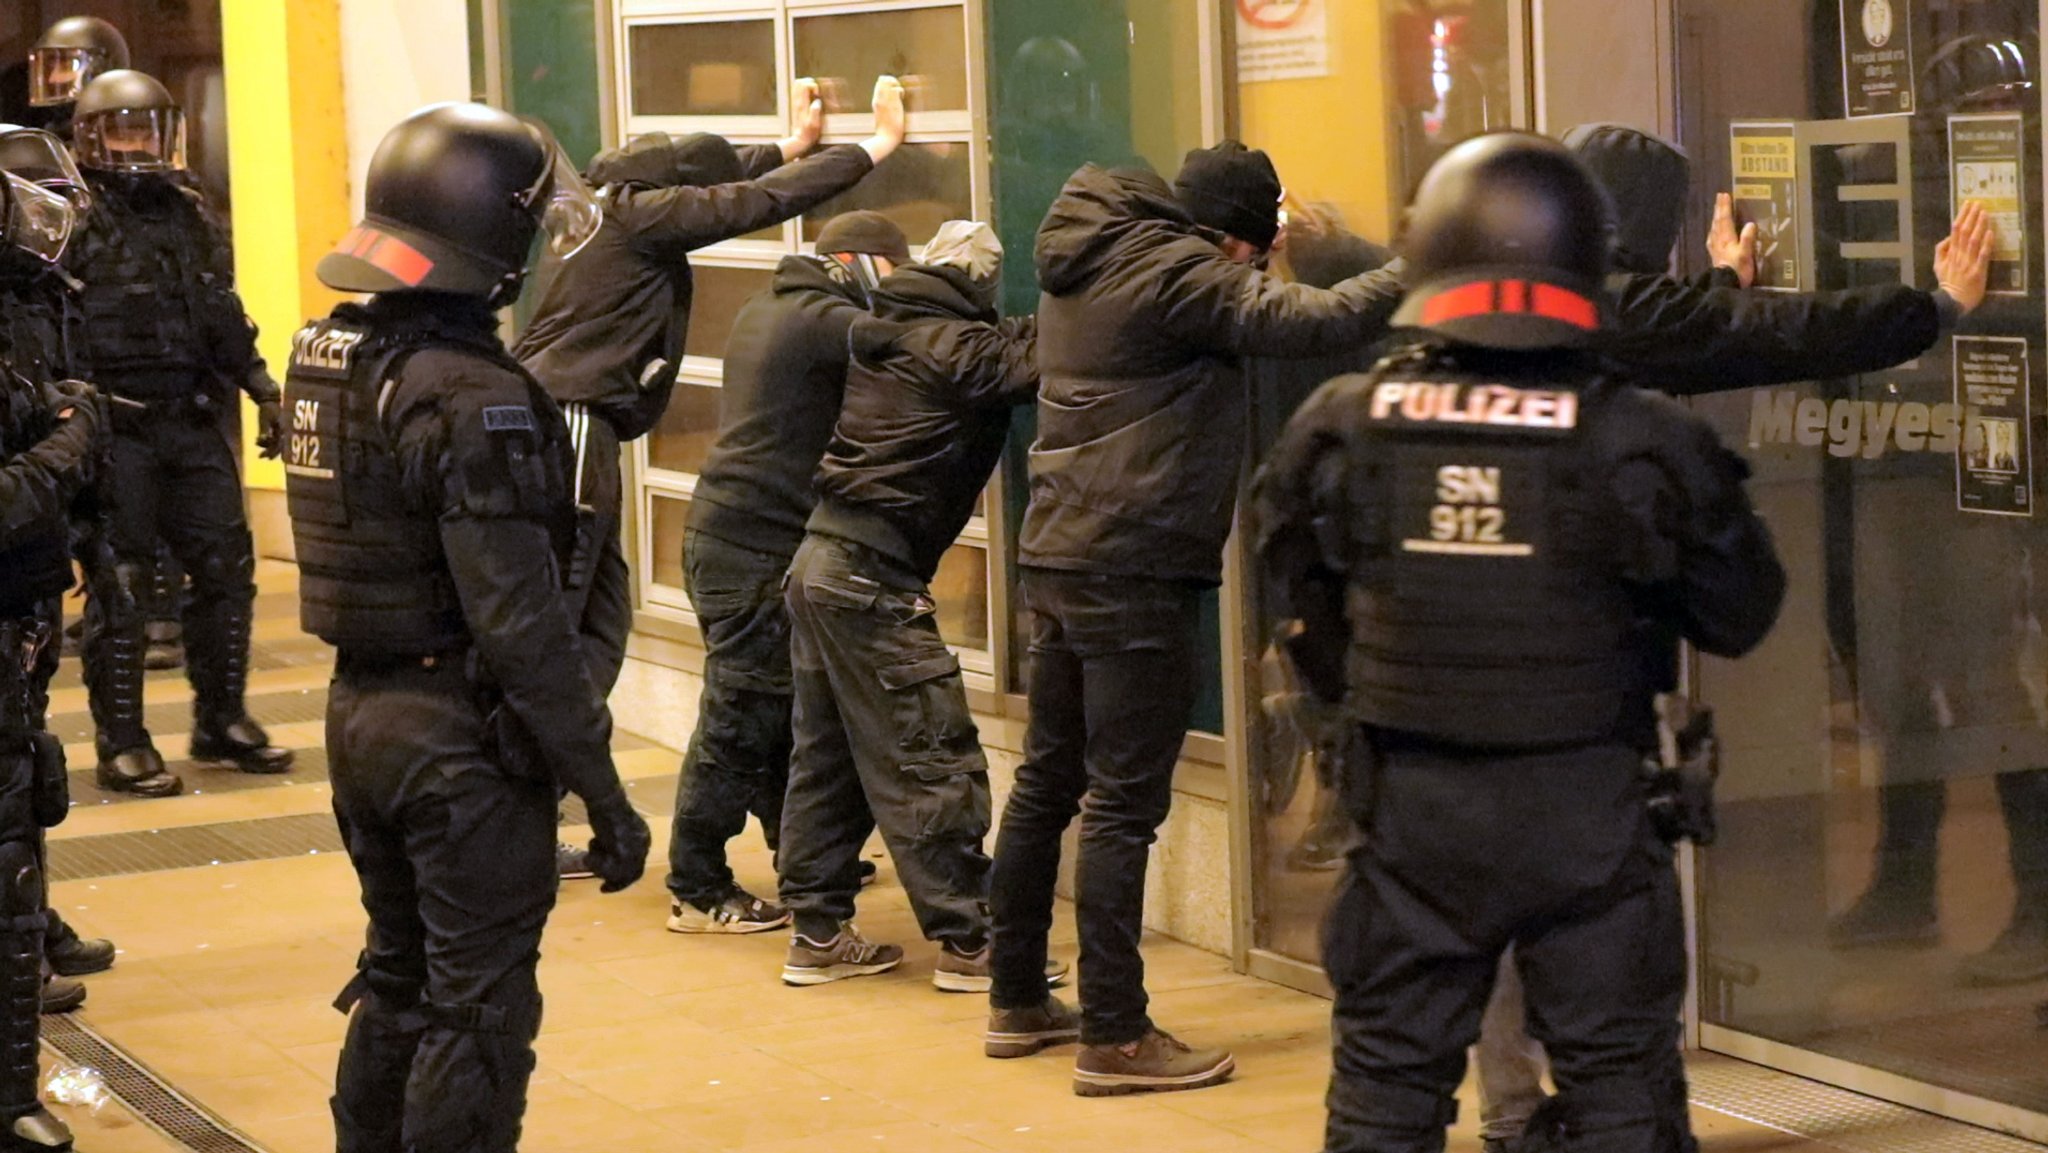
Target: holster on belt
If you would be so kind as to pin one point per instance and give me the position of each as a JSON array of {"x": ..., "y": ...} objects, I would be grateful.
[{"x": 51, "y": 798}]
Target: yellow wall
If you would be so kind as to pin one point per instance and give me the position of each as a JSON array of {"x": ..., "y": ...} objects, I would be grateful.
[
  {"x": 288, "y": 159},
  {"x": 1330, "y": 137}
]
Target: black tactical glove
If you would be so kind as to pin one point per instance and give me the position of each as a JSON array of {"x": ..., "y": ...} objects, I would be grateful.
[
  {"x": 619, "y": 841},
  {"x": 269, "y": 429},
  {"x": 77, "y": 402}
]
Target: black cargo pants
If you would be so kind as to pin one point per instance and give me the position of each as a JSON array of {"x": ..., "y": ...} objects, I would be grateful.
[
  {"x": 457, "y": 864},
  {"x": 883, "y": 739},
  {"x": 1463, "y": 856},
  {"x": 738, "y": 759}
]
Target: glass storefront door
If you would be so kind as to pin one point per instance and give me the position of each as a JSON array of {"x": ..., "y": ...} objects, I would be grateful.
[
  {"x": 1876, "y": 911},
  {"x": 1415, "y": 77}
]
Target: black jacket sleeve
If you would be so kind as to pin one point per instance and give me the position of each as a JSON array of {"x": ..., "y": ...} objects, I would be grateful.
[
  {"x": 1292, "y": 511},
  {"x": 1720, "y": 575},
  {"x": 1687, "y": 339},
  {"x": 469, "y": 441},
  {"x": 38, "y": 486},
  {"x": 998, "y": 363},
  {"x": 670, "y": 223},
  {"x": 1237, "y": 310},
  {"x": 758, "y": 160}
]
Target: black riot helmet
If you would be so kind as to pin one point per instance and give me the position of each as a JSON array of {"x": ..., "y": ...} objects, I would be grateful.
[
  {"x": 455, "y": 196},
  {"x": 1507, "y": 243},
  {"x": 69, "y": 55},
  {"x": 35, "y": 225},
  {"x": 41, "y": 158},
  {"x": 126, "y": 121}
]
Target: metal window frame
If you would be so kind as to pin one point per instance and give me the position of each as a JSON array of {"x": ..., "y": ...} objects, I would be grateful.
[{"x": 969, "y": 127}]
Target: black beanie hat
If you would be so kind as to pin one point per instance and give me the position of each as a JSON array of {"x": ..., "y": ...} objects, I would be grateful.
[
  {"x": 866, "y": 233},
  {"x": 1232, "y": 189}
]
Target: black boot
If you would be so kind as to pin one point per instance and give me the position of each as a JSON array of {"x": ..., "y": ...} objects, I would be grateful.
[
  {"x": 223, "y": 733},
  {"x": 240, "y": 744},
  {"x": 139, "y": 771},
  {"x": 80, "y": 956}
]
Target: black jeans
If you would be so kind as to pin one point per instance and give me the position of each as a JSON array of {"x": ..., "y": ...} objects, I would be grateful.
[
  {"x": 1112, "y": 687},
  {"x": 1464, "y": 856},
  {"x": 457, "y": 864},
  {"x": 175, "y": 480},
  {"x": 600, "y": 586},
  {"x": 738, "y": 760},
  {"x": 883, "y": 738}
]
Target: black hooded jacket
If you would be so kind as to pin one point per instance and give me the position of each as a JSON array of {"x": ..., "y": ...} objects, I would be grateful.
[
  {"x": 1143, "y": 325},
  {"x": 927, "y": 411},
  {"x": 785, "y": 371},
  {"x": 610, "y": 326},
  {"x": 1708, "y": 334}
]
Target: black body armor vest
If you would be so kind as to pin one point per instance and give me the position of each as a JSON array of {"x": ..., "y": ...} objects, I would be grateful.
[
  {"x": 38, "y": 568},
  {"x": 372, "y": 575},
  {"x": 1485, "y": 556},
  {"x": 154, "y": 304}
]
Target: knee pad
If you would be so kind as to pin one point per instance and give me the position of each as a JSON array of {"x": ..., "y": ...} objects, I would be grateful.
[{"x": 1616, "y": 1104}]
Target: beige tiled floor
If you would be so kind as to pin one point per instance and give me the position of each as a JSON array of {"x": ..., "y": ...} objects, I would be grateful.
[{"x": 654, "y": 1041}]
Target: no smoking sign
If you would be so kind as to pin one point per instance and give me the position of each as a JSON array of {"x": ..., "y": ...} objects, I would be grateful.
[{"x": 1275, "y": 14}]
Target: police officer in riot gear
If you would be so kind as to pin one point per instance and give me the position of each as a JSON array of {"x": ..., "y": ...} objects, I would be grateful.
[
  {"x": 428, "y": 477},
  {"x": 1494, "y": 550},
  {"x": 67, "y": 57},
  {"x": 49, "y": 441},
  {"x": 162, "y": 327},
  {"x": 31, "y": 346}
]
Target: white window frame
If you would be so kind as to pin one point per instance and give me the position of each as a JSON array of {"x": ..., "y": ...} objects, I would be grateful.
[{"x": 941, "y": 127}]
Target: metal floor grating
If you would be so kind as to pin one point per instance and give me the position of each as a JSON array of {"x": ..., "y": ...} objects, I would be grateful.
[
  {"x": 161, "y": 1107},
  {"x": 155, "y": 850},
  {"x": 1835, "y": 1118},
  {"x": 294, "y": 706}
]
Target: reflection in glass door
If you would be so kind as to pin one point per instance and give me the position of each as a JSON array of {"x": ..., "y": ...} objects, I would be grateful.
[
  {"x": 1876, "y": 912},
  {"x": 1413, "y": 77}
]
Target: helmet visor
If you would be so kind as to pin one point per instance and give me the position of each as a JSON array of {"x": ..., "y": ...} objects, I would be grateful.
[
  {"x": 132, "y": 140},
  {"x": 56, "y": 75},
  {"x": 568, "y": 211},
  {"x": 37, "y": 221},
  {"x": 37, "y": 156}
]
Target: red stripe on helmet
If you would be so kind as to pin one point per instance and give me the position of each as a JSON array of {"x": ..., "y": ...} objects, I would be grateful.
[
  {"x": 1512, "y": 297},
  {"x": 406, "y": 264}
]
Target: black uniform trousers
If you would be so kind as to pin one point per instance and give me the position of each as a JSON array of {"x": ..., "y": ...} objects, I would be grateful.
[
  {"x": 738, "y": 759},
  {"x": 601, "y": 587},
  {"x": 1112, "y": 686},
  {"x": 456, "y": 860},
  {"x": 1464, "y": 854},
  {"x": 883, "y": 739},
  {"x": 174, "y": 479}
]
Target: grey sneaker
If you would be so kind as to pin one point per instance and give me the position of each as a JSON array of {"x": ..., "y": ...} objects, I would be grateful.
[
  {"x": 846, "y": 955},
  {"x": 572, "y": 863},
  {"x": 740, "y": 912},
  {"x": 1022, "y": 1032},
  {"x": 1154, "y": 1063},
  {"x": 959, "y": 972}
]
